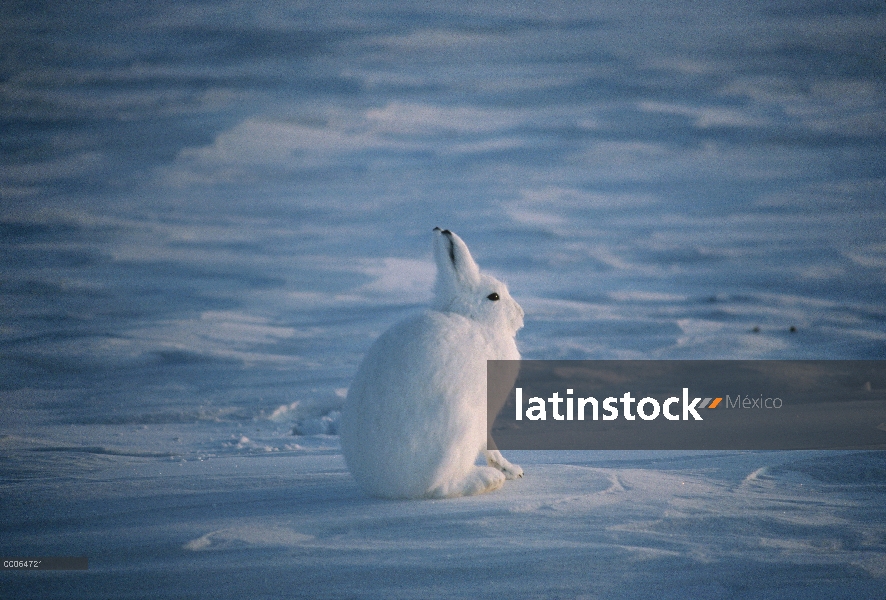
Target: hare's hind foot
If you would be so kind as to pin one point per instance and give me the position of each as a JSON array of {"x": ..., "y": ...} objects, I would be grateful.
[
  {"x": 496, "y": 460},
  {"x": 478, "y": 481}
]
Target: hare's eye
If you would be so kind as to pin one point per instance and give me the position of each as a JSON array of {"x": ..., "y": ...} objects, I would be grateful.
[{"x": 493, "y": 296}]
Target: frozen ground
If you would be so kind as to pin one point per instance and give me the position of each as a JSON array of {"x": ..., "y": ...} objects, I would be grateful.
[
  {"x": 210, "y": 210},
  {"x": 591, "y": 524}
]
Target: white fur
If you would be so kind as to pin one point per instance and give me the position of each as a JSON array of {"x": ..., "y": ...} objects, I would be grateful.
[{"x": 415, "y": 418}]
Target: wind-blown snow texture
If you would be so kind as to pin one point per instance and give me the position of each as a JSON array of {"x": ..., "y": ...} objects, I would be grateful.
[{"x": 211, "y": 210}]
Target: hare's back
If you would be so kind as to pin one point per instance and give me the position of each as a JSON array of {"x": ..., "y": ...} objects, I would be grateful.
[{"x": 426, "y": 347}]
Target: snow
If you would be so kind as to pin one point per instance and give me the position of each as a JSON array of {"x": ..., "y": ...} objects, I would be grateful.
[
  {"x": 580, "y": 524},
  {"x": 209, "y": 211}
]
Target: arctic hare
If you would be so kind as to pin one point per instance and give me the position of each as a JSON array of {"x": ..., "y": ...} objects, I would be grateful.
[{"x": 415, "y": 417}]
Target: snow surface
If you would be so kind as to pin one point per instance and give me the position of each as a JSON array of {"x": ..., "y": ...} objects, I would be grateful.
[
  {"x": 580, "y": 524},
  {"x": 209, "y": 210}
]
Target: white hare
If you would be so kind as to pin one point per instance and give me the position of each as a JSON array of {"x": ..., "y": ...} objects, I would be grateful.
[{"x": 414, "y": 421}]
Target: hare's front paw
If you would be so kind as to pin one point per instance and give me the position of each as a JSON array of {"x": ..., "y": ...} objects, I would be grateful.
[
  {"x": 478, "y": 481},
  {"x": 512, "y": 471},
  {"x": 495, "y": 459}
]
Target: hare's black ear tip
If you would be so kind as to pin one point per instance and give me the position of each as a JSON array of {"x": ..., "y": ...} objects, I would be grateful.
[
  {"x": 437, "y": 229},
  {"x": 443, "y": 231}
]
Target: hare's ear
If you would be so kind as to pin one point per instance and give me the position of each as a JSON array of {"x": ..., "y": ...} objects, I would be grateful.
[{"x": 456, "y": 268}]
